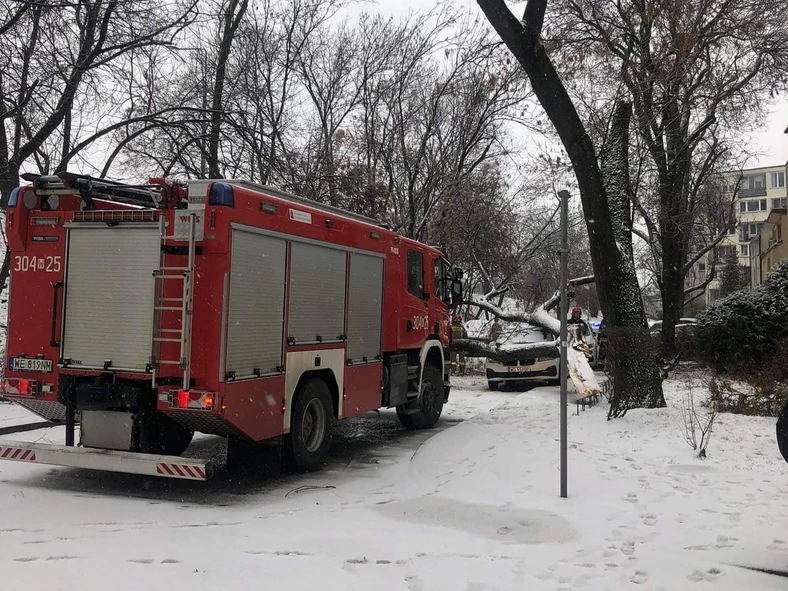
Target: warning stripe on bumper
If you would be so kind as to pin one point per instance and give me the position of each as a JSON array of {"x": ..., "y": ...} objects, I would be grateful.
[
  {"x": 18, "y": 454},
  {"x": 187, "y": 471},
  {"x": 106, "y": 460}
]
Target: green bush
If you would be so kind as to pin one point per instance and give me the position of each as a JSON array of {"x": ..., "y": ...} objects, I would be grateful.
[{"x": 744, "y": 328}]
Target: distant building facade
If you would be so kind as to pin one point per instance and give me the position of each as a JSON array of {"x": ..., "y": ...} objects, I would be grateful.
[
  {"x": 769, "y": 246},
  {"x": 761, "y": 191}
]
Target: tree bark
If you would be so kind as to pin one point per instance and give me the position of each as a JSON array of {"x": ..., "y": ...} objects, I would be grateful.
[
  {"x": 232, "y": 18},
  {"x": 636, "y": 377}
]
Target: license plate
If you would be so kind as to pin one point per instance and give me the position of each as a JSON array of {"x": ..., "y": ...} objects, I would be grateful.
[
  {"x": 519, "y": 369},
  {"x": 27, "y": 364}
]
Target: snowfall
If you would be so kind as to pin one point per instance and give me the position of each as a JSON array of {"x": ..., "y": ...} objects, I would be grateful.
[{"x": 472, "y": 505}]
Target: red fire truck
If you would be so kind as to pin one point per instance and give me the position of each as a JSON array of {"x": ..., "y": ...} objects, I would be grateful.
[{"x": 150, "y": 312}]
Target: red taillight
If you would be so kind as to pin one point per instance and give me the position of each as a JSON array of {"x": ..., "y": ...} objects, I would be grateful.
[
  {"x": 24, "y": 387},
  {"x": 183, "y": 399},
  {"x": 194, "y": 399}
]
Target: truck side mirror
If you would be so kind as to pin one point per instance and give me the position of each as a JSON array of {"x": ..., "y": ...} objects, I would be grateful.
[
  {"x": 458, "y": 273},
  {"x": 456, "y": 292}
]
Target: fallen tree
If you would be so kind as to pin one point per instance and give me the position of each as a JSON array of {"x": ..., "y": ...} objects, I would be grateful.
[{"x": 577, "y": 349}]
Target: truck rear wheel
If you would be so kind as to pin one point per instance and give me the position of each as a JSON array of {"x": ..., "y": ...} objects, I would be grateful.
[
  {"x": 307, "y": 444},
  {"x": 425, "y": 411},
  {"x": 163, "y": 436},
  {"x": 493, "y": 385}
]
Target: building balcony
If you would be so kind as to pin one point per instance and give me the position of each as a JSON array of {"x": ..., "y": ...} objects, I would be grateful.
[{"x": 757, "y": 192}]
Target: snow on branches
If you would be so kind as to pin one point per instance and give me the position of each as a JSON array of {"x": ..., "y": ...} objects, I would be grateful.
[{"x": 579, "y": 369}]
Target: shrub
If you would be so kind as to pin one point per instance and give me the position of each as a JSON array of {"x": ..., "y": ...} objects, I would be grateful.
[{"x": 744, "y": 328}]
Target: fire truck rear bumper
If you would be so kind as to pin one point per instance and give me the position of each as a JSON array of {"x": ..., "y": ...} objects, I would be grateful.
[{"x": 106, "y": 460}]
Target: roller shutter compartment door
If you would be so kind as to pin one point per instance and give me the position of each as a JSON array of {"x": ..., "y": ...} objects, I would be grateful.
[
  {"x": 109, "y": 295},
  {"x": 317, "y": 294},
  {"x": 256, "y": 306},
  {"x": 365, "y": 307}
]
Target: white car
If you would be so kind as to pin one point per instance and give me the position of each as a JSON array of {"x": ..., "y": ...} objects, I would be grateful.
[{"x": 524, "y": 370}]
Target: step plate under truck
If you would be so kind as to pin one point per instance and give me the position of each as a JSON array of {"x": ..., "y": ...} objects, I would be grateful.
[{"x": 106, "y": 460}]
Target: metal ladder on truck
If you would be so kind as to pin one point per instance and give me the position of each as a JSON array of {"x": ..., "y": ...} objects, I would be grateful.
[{"x": 183, "y": 304}]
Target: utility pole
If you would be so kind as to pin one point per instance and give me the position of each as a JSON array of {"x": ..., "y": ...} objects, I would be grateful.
[{"x": 564, "y": 311}]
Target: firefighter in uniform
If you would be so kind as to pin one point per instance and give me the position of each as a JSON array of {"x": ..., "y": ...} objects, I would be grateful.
[
  {"x": 577, "y": 316},
  {"x": 457, "y": 363}
]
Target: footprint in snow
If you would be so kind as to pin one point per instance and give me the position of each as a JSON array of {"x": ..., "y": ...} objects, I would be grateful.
[
  {"x": 639, "y": 577},
  {"x": 648, "y": 518},
  {"x": 628, "y": 548},
  {"x": 710, "y": 575},
  {"x": 414, "y": 583},
  {"x": 631, "y": 498}
]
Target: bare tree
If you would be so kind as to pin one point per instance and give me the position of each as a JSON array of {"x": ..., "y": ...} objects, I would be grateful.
[
  {"x": 53, "y": 58},
  {"x": 694, "y": 72},
  {"x": 604, "y": 186}
]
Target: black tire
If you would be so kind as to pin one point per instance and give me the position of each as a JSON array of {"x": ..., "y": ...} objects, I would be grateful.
[
  {"x": 430, "y": 402},
  {"x": 163, "y": 436},
  {"x": 493, "y": 385},
  {"x": 307, "y": 444},
  {"x": 782, "y": 432}
]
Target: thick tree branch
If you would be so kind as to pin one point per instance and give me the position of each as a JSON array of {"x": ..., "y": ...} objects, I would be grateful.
[{"x": 506, "y": 351}]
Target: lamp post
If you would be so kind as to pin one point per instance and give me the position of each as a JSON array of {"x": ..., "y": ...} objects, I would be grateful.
[{"x": 564, "y": 310}]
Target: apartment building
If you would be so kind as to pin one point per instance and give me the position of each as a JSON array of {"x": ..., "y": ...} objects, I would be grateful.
[
  {"x": 760, "y": 192},
  {"x": 768, "y": 247}
]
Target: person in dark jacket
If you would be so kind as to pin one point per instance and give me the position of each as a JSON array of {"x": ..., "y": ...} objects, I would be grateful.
[{"x": 457, "y": 363}]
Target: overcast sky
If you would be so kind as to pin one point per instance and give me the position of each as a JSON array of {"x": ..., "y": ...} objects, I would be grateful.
[{"x": 768, "y": 141}]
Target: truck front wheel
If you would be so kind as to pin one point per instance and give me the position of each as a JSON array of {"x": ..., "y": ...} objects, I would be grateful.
[
  {"x": 307, "y": 444},
  {"x": 424, "y": 411}
]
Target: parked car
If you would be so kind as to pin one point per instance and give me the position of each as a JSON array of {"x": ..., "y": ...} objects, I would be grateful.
[
  {"x": 684, "y": 325},
  {"x": 529, "y": 370}
]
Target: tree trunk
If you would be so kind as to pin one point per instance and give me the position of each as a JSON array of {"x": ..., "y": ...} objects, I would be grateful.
[
  {"x": 616, "y": 279},
  {"x": 672, "y": 293},
  {"x": 9, "y": 179},
  {"x": 232, "y": 18}
]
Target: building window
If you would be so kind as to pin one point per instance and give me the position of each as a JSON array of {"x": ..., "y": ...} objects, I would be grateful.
[
  {"x": 749, "y": 230},
  {"x": 416, "y": 273},
  {"x": 745, "y": 250},
  {"x": 759, "y": 182},
  {"x": 722, "y": 252},
  {"x": 778, "y": 180},
  {"x": 752, "y": 205},
  {"x": 779, "y": 203}
]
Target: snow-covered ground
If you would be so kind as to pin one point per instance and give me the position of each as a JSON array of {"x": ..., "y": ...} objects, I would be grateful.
[
  {"x": 471, "y": 506},
  {"x": 12, "y": 415}
]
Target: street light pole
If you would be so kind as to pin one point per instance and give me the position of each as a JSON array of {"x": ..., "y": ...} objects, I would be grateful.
[{"x": 564, "y": 311}]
